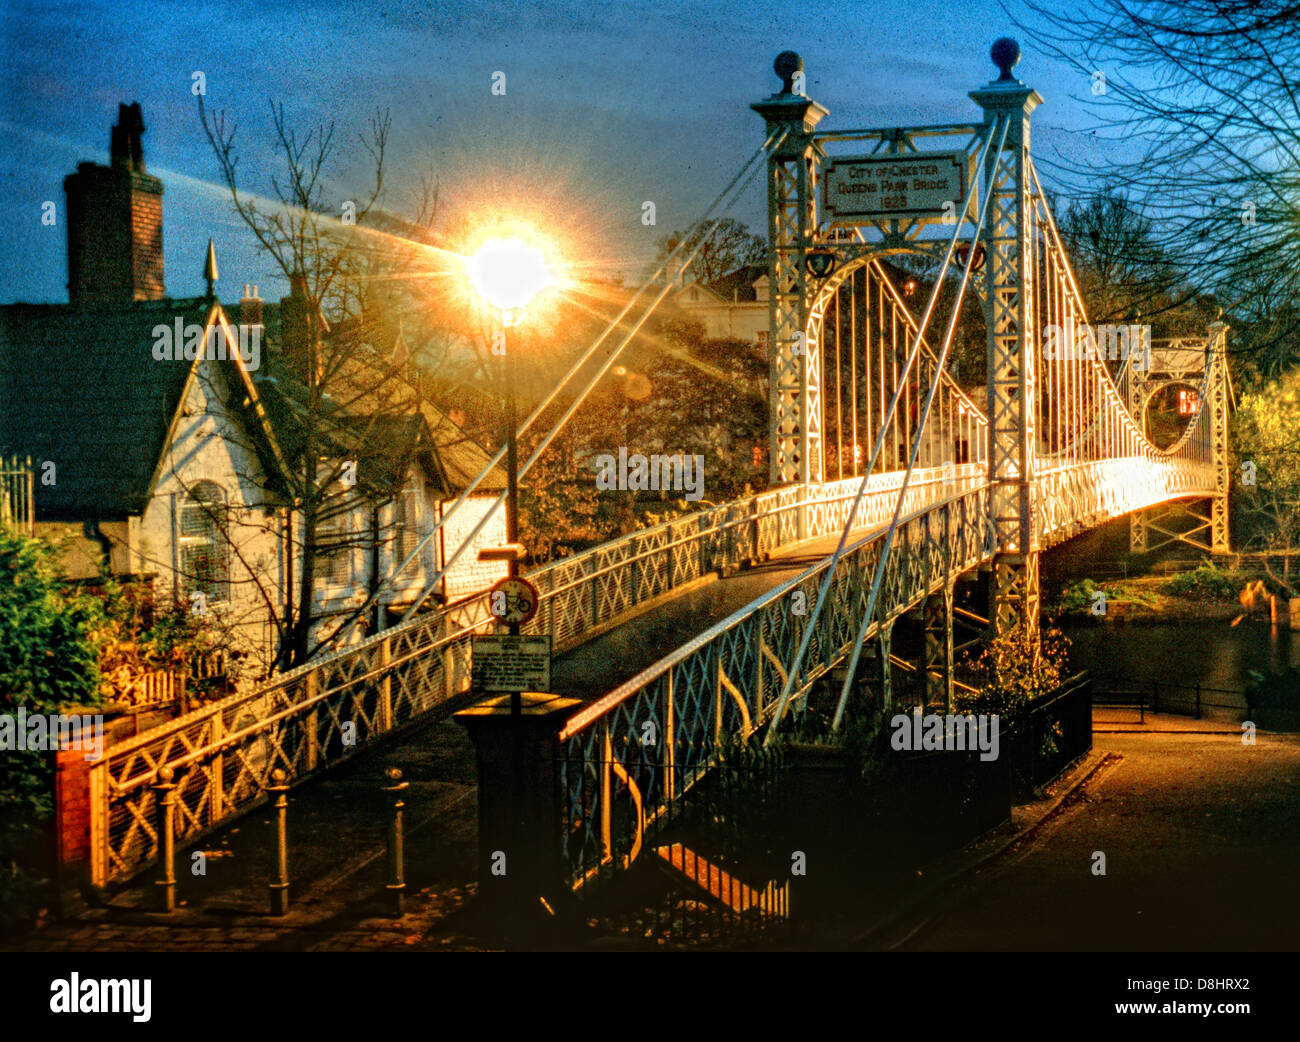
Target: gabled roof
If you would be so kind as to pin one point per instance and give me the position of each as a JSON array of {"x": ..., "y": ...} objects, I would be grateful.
[
  {"x": 681, "y": 294},
  {"x": 82, "y": 389},
  {"x": 738, "y": 285},
  {"x": 373, "y": 413}
]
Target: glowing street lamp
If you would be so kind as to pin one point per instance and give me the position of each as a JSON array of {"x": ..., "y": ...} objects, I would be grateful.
[{"x": 508, "y": 274}]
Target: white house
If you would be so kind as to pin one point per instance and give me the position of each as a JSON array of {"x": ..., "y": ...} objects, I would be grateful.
[
  {"x": 732, "y": 307},
  {"x": 168, "y": 461}
]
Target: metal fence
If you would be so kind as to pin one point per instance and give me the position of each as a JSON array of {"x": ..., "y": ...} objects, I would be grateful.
[
  {"x": 1163, "y": 696},
  {"x": 1056, "y": 732},
  {"x": 326, "y": 711},
  {"x": 17, "y": 494},
  {"x": 715, "y": 869}
]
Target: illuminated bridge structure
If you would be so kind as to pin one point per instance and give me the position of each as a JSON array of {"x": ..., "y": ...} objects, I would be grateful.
[{"x": 874, "y": 438}]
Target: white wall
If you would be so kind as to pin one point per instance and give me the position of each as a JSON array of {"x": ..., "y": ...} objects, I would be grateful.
[
  {"x": 210, "y": 445},
  {"x": 470, "y": 575}
]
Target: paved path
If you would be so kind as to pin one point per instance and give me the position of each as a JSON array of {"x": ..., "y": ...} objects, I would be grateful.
[{"x": 1202, "y": 841}]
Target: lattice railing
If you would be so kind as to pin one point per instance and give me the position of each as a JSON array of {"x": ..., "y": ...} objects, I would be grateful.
[
  {"x": 327, "y": 711},
  {"x": 615, "y": 786}
]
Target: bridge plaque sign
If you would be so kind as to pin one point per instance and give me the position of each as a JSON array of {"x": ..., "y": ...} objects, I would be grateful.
[
  {"x": 505, "y": 662},
  {"x": 911, "y": 185}
]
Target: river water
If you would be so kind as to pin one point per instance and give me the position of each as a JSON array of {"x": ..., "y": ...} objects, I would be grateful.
[{"x": 1209, "y": 652}]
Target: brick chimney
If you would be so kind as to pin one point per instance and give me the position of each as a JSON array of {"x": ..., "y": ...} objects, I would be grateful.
[
  {"x": 114, "y": 217},
  {"x": 296, "y": 331}
]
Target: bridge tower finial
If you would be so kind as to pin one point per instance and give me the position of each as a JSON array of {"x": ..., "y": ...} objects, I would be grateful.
[
  {"x": 1005, "y": 53},
  {"x": 788, "y": 65}
]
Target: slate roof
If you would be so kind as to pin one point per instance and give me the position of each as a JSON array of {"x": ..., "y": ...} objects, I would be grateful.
[
  {"x": 738, "y": 285},
  {"x": 80, "y": 387},
  {"x": 379, "y": 417}
]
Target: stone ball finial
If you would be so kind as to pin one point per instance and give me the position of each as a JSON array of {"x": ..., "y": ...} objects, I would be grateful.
[
  {"x": 788, "y": 64},
  {"x": 1005, "y": 52}
]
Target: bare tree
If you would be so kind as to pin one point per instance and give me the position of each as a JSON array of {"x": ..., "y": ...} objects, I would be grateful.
[
  {"x": 727, "y": 247},
  {"x": 1197, "y": 105},
  {"x": 337, "y": 412}
]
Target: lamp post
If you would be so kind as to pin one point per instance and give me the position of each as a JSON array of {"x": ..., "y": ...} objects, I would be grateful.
[{"x": 508, "y": 274}]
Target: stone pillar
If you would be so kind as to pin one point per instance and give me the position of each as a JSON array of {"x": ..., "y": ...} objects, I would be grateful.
[{"x": 519, "y": 810}]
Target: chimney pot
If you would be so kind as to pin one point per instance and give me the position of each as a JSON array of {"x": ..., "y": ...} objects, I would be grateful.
[{"x": 250, "y": 307}]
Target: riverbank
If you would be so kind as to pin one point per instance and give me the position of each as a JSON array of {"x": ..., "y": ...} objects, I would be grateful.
[{"x": 1147, "y": 599}]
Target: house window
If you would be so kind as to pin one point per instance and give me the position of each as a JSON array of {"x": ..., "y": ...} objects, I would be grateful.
[
  {"x": 406, "y": 525},
  {"x": 204, "y": 544},
  {"x": 333, "y": 549}
]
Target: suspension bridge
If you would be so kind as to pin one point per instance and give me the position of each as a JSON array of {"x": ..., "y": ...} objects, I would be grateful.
[{"x": 893, "y": 477}]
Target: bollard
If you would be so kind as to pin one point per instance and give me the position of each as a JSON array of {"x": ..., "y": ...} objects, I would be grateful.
[
  {"x": 280, "y": 886},
  {"x": 396, "y": 850},
  {"x": 166, "y": 796}
]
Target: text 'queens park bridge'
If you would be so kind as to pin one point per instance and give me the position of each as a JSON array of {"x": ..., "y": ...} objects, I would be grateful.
[{"x": 876, "y": 452}]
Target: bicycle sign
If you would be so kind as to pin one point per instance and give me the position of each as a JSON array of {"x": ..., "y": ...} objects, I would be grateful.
[{"x": 513, "y": 601}]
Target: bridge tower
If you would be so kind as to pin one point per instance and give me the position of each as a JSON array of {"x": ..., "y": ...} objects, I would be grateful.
[
  {"x": 1200, "y": 523},
  {"x": 1013, "y": 330},
  {"x": 794, "y": 366}
]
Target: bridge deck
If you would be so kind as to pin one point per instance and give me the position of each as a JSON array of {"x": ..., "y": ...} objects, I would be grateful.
[
  {"x": 598, "y": 666},
  {"x": 335, "y": 817}
]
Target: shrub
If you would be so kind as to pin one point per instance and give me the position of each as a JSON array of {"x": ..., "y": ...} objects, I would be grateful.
[
  {"x": 1207, "y": 582},
  {"x": 1077, "y": 597},
  {"x": 48, "y": 660}
]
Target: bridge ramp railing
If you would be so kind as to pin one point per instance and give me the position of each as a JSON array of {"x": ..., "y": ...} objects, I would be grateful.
[
  {"x": 327, "y": 711},
  {"x": 626, "y": 758}
]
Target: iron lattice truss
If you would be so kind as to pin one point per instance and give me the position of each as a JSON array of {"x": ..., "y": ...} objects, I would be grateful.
[{"x": 323, "y": 713}]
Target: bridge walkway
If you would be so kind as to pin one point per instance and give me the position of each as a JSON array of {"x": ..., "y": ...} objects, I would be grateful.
[{"x": 337, "y": 818}]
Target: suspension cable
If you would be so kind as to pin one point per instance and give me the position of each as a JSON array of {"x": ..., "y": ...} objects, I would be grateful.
[{"x": 773, "y": 141}]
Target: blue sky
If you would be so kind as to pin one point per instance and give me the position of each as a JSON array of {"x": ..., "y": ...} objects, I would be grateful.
[{"x": 607, "y": 105}]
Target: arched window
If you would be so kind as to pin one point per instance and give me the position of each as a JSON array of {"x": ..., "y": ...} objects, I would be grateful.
[{"x": 204, "y": 544}]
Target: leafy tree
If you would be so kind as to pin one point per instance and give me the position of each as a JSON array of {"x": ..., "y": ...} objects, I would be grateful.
[
  {"x": 48, "y": 660},
  {"x": 1266, "y": 437},
  {"x": 727, "y": 247},
  {"x": 1009, "y": 675}
]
